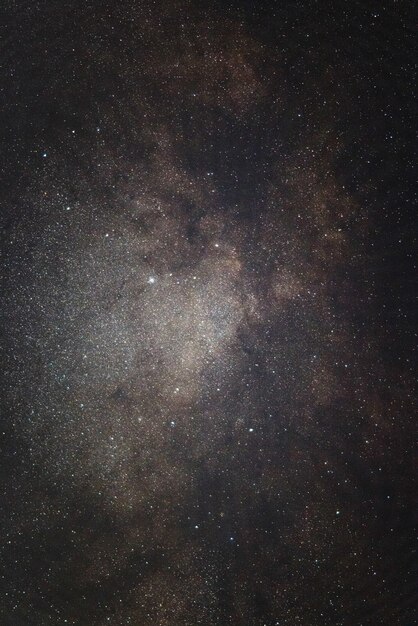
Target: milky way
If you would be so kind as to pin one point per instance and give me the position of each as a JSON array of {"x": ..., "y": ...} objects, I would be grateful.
[{"x": 209, "y": 347}]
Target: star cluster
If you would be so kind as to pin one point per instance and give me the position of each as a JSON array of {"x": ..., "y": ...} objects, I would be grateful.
[{"x": 208, "y": 337}]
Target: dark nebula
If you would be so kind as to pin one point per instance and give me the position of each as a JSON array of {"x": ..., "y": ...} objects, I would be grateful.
[{"x": 208, "y": 400}]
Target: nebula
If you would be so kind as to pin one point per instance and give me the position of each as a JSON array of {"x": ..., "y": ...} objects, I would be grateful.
[{"x": 207, "y": 323}]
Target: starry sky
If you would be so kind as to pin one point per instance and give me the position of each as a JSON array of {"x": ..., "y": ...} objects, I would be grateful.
[{"x": 208, "y": 333}]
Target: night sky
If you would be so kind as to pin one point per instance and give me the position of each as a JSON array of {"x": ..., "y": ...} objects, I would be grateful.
[{"x": 208, "y": 336}]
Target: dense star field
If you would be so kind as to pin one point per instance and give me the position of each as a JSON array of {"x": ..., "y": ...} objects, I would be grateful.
[{"x": 208, "y": 405}]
